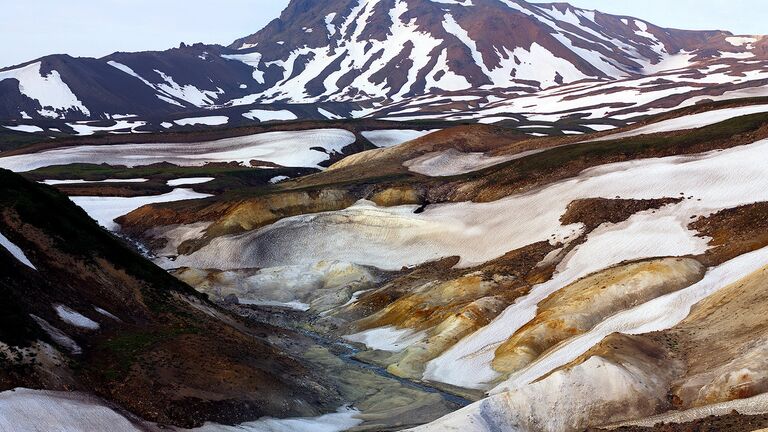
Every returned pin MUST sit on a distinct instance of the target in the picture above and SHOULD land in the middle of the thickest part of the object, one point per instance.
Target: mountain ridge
(367, 52)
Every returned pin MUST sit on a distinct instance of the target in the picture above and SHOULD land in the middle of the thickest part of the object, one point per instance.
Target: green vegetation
(166, 171)
(10, 140)
(126, 348)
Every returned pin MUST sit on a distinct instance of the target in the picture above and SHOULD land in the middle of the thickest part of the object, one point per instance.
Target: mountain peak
(366, 52)
(398, 48)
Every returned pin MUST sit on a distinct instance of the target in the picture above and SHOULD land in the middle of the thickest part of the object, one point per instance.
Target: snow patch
(269, 115)
(290, 149)
(345, 418)
(65, 182)
(25, 410)
(393, 137)
(387, 338)
(87, 129)
(278, 179)
(74, 318)
(691, 121)
(208, 120)
(106, 209)
(25, 128)
(50, 91)
(453, 162)
(190, 181)
(57, 336)
(15, 251)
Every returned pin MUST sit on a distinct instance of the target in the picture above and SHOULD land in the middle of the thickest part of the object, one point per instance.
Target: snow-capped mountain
(366, 52)
(398, 48)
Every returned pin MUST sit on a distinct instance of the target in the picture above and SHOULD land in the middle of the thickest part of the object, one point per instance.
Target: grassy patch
(127, 348)
(10, 140)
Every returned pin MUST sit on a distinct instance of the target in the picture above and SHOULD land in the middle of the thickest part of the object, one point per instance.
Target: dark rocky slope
(129, 332)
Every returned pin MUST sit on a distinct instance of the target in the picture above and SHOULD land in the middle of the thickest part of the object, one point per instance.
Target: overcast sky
(34, 28)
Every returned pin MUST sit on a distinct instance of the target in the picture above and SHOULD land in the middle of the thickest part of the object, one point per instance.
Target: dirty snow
(712, 177)
(658, 314)
(295, 305)
(754, 405)
(393, 237)
(57, 335)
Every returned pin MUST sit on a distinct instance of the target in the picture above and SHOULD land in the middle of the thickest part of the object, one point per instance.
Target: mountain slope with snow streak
(377, 57)
(398, 48)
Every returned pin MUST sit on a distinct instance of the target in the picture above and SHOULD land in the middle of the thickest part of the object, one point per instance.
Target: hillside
(390, 215)
(521, 268)
(486, 60)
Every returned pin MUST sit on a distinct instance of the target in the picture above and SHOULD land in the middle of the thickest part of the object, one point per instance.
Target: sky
(95, 28)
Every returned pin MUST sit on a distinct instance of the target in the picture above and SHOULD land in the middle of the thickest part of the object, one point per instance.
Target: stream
(348, 353)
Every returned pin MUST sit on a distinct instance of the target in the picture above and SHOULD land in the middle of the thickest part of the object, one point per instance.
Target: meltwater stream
(348, 353)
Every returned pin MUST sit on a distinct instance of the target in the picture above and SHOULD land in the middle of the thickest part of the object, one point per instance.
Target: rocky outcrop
(576, 308)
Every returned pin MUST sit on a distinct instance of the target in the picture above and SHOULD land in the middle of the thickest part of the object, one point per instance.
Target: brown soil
(593, 212)
(172, 357)
(734, 232)
(733, 422)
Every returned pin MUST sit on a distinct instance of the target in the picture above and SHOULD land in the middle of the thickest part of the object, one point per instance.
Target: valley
(386, 215)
